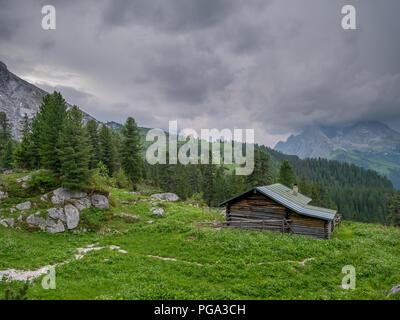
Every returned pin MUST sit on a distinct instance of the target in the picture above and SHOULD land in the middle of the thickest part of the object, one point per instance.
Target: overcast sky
(276, 66)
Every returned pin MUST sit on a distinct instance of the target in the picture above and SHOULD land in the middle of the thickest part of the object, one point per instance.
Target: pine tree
(262, 173)
(220, 186)
(73, 151)
(107, 151)
(92, 129)
(304, 187)
(394, 217)
(209, 183)
(48, 127)
(34, 147)
(23, 156)
(130, 152)
(117, 146)
(286, 175)
(7, 156)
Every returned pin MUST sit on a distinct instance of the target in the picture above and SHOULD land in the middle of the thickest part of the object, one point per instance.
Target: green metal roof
(289, 193)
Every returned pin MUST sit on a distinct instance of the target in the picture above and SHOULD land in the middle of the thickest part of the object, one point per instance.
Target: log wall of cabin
(259, 207)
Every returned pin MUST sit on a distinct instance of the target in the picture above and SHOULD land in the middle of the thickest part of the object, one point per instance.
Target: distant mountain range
(18, 97)
(372, 145)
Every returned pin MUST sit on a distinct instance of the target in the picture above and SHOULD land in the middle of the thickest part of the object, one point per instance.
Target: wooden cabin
(278, 208)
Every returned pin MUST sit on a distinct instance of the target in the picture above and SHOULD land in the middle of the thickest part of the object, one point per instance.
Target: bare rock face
(24, 206)
(72, 216)
(18, 97)
(100, 202)
(165, 197)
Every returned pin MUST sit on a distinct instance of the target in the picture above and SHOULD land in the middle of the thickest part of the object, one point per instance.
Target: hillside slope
(169, 259)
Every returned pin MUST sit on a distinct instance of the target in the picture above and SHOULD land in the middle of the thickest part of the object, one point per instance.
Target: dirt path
(29, 275)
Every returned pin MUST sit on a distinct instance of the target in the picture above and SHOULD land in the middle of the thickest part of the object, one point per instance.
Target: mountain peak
(18, 97)
(3, 67)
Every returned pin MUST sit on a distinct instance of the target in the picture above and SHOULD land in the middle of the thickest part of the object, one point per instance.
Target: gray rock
(72, 216)
(10, 222)
(12, 210)
(82, 204)
(54, 227)
(19, 218)
(62, 194)
(24, 206)
(7, 172)
(44, 197)
(165, 197)
(36, 221)
(394, 290)
(56, 213)
(24, 179)
(157, 211)
(3, 223)
(125, 215)
(100, 202)
(3, 195)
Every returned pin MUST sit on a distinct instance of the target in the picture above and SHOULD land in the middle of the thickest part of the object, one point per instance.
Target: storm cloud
(277, 66)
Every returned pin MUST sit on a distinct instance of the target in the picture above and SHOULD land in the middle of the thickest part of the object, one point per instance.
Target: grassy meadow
(169, 259)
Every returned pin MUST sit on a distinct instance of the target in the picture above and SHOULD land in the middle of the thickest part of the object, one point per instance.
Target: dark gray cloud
(276, 66)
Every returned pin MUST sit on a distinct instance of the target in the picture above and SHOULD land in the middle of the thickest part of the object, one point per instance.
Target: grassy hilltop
(168, 259)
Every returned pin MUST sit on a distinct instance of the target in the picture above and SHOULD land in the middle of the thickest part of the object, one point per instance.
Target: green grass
(234, 264)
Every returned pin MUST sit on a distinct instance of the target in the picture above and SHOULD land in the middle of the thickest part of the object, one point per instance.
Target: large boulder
(54, 227)
(36, 221)
(165, 197)
(56, 213)
(8, 222)
(61, 194)
(82, 204)
(72, 216)
(100, 202)
(24, 206)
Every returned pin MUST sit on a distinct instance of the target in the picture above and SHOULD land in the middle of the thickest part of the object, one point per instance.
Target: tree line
(58, 140)
(79, 153)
